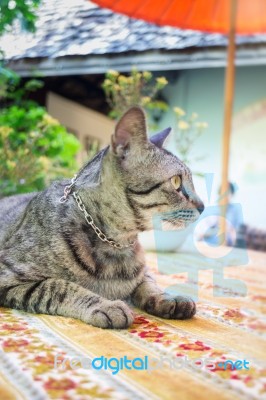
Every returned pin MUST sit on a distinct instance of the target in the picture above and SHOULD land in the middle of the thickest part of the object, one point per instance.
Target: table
(224, 328)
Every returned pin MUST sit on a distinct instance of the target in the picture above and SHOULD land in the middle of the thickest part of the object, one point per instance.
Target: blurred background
(70, 68)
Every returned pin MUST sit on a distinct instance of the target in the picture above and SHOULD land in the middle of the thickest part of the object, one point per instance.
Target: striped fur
(52, 262)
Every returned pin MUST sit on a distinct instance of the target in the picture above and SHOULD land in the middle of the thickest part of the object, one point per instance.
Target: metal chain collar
(88, 217)
(67, 189)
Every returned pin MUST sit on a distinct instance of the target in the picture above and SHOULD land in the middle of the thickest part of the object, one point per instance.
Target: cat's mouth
(168, 225)
(179, 219)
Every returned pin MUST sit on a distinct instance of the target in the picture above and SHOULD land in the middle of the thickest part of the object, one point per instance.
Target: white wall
(201, 91)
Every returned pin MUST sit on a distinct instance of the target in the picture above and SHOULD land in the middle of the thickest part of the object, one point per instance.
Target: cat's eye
(176, 181)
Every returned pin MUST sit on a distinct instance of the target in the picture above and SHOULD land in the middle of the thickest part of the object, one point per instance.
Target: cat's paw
(170, 307)
(112, 314)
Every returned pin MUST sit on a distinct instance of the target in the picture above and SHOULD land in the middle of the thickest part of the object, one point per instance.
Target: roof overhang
(150, 60)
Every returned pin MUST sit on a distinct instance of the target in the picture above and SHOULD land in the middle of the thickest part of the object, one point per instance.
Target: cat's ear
(159, 138)
(90, 174)
(130, 131)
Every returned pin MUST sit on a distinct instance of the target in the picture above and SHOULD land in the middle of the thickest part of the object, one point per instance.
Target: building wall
(201, 91)
(91, 128)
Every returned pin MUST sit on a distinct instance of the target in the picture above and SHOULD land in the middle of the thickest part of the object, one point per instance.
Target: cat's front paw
(170, 307)
(112, 314)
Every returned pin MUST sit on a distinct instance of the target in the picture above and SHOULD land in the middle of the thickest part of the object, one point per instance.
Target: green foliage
(139, 88)
(34, 147)
(187, 130)
(24, 11)
(8, 82)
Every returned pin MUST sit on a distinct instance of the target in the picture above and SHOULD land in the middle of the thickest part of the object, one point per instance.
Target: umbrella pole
(228, 111)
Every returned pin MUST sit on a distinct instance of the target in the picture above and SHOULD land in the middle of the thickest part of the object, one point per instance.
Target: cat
(72, 249)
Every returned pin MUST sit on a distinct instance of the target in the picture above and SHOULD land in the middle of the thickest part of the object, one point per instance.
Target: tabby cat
(72, 250)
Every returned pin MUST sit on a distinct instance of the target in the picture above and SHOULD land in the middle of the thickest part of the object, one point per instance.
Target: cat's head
(137, 173)
(156, 182)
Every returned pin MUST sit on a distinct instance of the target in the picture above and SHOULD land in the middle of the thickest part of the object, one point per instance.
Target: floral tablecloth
(226, 327)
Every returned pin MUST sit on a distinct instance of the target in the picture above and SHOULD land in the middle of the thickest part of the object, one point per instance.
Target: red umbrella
(221, 16)
(204, 15)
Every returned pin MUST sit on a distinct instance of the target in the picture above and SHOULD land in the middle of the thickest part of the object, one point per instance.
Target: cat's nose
(200, 207)
(197, 203)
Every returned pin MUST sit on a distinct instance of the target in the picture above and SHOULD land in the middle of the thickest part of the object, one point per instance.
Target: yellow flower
(107, 82)
(48, 120)
(194, 116)
(201, 125)
(183, 125)
(112, 72)
(122, 79)
(45, 162)
(5, 131)
(147, 75)
(10, 164)
(162, 81)
(179, 111)
(145, 100)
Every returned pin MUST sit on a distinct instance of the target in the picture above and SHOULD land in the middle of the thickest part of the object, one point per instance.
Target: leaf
(33, 85)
